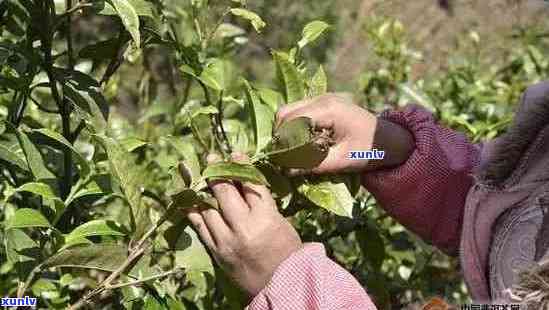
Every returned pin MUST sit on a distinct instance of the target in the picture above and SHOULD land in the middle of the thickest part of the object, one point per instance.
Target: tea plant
(91, 210)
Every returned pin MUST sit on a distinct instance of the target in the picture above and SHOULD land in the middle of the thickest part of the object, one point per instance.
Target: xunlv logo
(12, 302)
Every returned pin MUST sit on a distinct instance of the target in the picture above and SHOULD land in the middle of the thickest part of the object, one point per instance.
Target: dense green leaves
(34, 158)
(25, 218)
(234, 171)
(12, 158)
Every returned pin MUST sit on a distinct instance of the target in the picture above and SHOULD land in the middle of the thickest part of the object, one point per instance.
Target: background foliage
(100, 102)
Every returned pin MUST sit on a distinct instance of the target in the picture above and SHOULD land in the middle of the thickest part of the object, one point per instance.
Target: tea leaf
(262, 118)
(289, 78)
(334, 197)
(234, 171)
(294, 145)
(129, 18)
(34, 158)
(312, 32)
(40, 189)
(122, 165)
(193, 257)
(256, 21)
(12, 158)
(24, 218)
(103, 256)
(213, 75)
(319, 83)
(94, 228)
(84, 166)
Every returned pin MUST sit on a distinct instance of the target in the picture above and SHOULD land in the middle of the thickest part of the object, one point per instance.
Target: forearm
(309, 280)
(426, 193)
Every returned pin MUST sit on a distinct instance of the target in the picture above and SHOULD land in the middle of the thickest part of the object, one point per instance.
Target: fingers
(231, 203)
(257, 196)
(200, 227)
(316, 109)
(218, 228)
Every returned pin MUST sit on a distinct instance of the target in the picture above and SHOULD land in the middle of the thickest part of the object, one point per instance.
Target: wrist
(396, 141)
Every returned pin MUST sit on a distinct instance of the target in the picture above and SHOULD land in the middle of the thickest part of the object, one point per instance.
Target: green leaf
(129, 17)
(334, 197)
(40, 189)
(94, 228)
(193, 256)
(289, 78)
(271, 98)
(312, 32)
(184, 198)
(214, 74)
(25, 218)
(103, 256)
(12, 158)
(319, 83)
(234, 171)
(84, 166)
(262, 118)
(207, 110)
(21, 250)
(132, 144)
(123, 168)
(295, 146)
(86, 95)
(256, 21)
(34, 158)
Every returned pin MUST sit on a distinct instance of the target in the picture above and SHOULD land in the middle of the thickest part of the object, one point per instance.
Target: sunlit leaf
(256, 21)
(234, 171)
(334, 197)
(262, 118)
(94, 228)
(289, 78)
(319, 83)
(129, 17)
(312, 32)
(25, 218)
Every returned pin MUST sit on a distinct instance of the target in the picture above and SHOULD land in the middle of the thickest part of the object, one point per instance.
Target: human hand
(354, 129)
(248, 237)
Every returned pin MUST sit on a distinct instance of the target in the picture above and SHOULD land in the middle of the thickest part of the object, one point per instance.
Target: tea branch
(135, 253)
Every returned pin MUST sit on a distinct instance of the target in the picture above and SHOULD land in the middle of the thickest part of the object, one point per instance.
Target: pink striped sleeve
(309, 280)
(427, 193)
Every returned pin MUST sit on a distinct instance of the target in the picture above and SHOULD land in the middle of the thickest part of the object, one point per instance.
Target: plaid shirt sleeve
(309, 280)
(427, 193)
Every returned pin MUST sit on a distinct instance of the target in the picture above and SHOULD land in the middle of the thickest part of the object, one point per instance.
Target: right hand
(355, 129)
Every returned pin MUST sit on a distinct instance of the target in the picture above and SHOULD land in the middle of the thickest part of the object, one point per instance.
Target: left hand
(248, 237)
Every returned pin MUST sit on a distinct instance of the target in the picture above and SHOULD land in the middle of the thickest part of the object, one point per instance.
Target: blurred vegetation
(468, 65)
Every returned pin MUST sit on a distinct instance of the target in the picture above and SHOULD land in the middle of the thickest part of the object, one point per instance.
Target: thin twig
(138, 282)
(220, 123)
